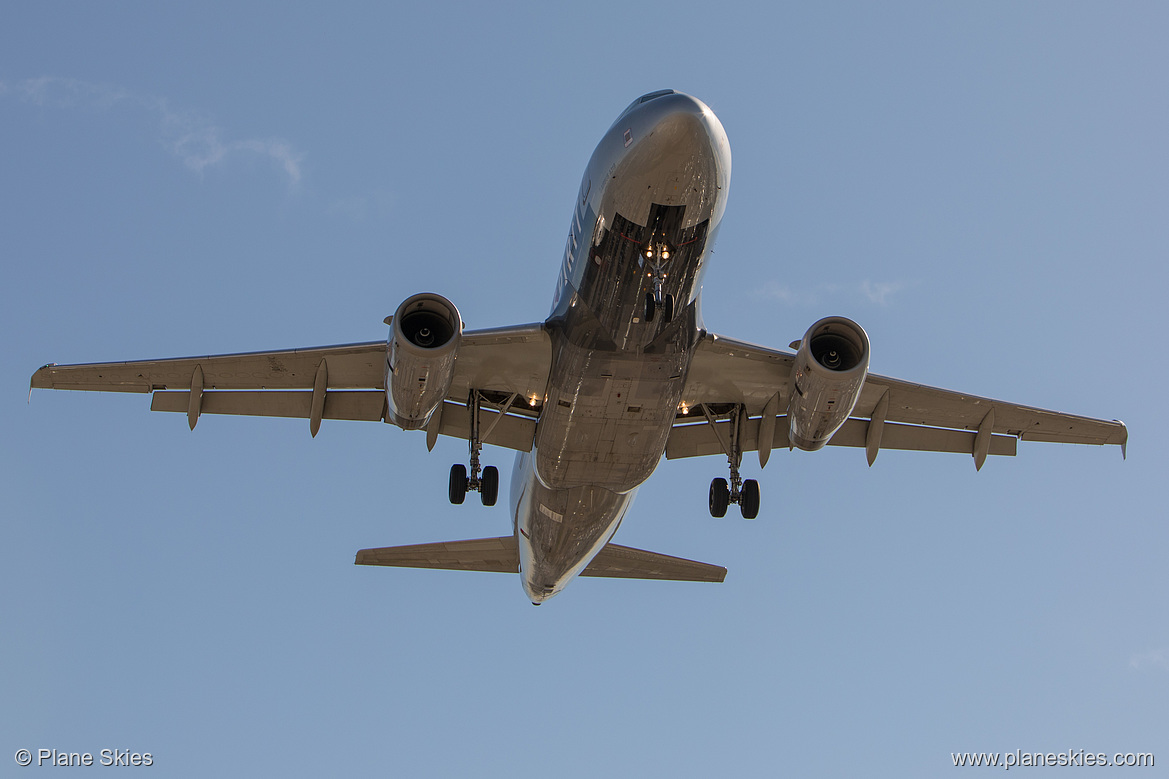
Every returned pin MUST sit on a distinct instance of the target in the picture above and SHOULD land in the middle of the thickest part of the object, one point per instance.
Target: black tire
(668, 309)
(489, 485)
(458, 483)
(720, 497)
(651, 306)
(749, 499)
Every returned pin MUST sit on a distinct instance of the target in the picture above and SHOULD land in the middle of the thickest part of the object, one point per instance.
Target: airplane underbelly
(607, 418)
(560, 530)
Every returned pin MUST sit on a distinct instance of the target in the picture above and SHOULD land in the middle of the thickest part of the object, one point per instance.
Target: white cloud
(879, 292)
(1153, 658)
(773, 290)
(200, 144)
(68, 92)
(195, 140)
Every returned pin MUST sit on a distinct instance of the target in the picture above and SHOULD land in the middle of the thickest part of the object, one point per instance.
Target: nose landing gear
(655, 255)
(654, 301)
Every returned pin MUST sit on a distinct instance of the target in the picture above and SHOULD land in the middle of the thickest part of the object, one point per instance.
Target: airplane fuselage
(620, 359)
(643, 224)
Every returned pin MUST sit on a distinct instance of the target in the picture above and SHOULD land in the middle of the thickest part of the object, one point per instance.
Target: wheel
(651, 306)
(489, 485)
(720, 496)
(668, 309)
(749, 499)
(458, 484)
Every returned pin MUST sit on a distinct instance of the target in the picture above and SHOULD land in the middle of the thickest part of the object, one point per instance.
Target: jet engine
(830, 368)
(420, 359)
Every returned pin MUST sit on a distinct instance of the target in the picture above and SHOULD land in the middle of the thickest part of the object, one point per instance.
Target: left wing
(890, 414)
(329, 382)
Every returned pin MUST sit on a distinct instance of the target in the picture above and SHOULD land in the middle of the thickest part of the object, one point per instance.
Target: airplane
(622, 371)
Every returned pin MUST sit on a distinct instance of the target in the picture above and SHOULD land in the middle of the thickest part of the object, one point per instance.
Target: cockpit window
(645, 99)
(654, 95)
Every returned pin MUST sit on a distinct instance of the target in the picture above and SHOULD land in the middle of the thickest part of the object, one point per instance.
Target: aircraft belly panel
(561, 530)
(607, 418)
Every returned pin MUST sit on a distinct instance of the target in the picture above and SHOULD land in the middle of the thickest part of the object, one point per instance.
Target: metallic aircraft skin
(659, 177)
(594, 396)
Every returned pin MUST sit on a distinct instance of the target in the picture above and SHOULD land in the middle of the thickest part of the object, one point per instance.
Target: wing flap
(360, 405)
(698, 440)
(510, 431)
(920, 438)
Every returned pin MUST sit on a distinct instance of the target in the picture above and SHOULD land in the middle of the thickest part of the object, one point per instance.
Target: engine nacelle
(420, 361)
(829, 371)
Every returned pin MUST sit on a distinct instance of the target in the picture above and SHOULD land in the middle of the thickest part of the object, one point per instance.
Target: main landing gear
(722, 494)
(487, 483)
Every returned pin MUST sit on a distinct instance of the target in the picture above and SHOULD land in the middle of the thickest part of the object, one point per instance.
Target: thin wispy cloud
(56, 92)
(194, 139)
(879, 293)
(1153, 658)
(773, 290)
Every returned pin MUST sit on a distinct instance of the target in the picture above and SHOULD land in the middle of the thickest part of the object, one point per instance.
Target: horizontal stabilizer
(497, 555)
(625, 562)
(500, 555)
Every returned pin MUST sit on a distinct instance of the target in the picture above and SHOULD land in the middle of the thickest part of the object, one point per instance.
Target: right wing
(905, 415)
(345, 381)
(500, 555)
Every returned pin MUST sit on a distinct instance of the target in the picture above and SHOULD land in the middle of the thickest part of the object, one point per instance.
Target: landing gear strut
(487, 484)
(745, 493)
(655, 255)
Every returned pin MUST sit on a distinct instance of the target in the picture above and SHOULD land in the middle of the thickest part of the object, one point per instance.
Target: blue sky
(983, 186)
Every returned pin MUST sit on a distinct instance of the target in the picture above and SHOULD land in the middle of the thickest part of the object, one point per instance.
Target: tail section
(501, 555)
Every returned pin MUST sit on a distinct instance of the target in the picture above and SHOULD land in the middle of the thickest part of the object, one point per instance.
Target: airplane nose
(538, 593)
(677, 102)
(671, 113)
(676, 128)
(670, 149)
(662, 103)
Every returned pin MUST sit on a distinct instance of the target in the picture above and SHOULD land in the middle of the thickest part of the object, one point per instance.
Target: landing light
(684, 408)
(532, 401)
